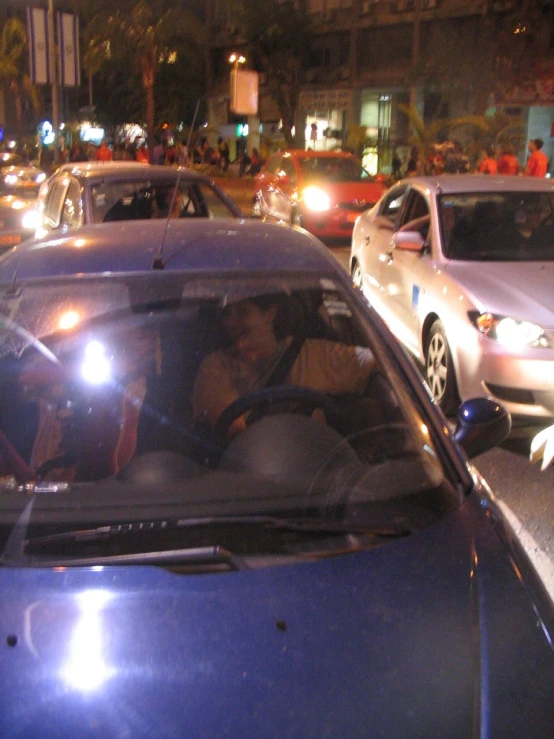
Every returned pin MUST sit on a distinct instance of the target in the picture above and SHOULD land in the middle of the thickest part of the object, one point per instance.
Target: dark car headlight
(509, 331)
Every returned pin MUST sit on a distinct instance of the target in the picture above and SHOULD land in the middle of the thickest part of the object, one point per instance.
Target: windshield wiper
(304, 525)
(197, 556)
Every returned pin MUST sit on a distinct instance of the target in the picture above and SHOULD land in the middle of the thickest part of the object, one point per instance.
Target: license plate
(10, 239)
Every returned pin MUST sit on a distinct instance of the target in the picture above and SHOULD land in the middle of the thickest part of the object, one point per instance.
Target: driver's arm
(214, 390)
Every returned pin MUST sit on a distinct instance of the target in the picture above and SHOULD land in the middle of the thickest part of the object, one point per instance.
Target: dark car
(98, 192)
(18, 176)
(230, 507)
(19, 219)
(322, 191)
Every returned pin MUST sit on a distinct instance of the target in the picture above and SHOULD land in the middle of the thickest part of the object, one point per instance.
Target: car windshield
(334, 169)
(168, 400)
(143, 199)
(498, 226)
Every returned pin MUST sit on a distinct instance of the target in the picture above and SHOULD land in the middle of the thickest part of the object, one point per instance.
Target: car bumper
(336, 223)
(522, 382)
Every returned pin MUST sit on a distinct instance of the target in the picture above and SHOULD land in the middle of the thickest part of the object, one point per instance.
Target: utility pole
(53, 70)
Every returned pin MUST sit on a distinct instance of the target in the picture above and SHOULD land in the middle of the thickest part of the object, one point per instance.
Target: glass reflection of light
(68, 320)
(86, 669)
(96, 365)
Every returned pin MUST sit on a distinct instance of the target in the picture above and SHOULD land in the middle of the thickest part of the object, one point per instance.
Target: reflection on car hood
(523, 290)
(346, 192)
(431, 636)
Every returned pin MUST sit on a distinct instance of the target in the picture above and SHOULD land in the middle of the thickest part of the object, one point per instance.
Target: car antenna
(158, 262)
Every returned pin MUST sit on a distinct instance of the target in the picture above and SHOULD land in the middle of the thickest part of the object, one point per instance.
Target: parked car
(327, 572)
(322, 191)
(98, 192)
(462, 270)
(19, 218)
(19, 177)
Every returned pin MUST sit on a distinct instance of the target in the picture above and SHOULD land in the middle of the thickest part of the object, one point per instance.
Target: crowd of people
(449, 158)
(165, 151)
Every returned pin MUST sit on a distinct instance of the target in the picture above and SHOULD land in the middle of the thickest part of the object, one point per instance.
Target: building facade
(373, 61)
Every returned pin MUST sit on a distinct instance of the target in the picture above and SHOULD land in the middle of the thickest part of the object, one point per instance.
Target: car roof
(199, 245)
(467, 183)
(128, 170)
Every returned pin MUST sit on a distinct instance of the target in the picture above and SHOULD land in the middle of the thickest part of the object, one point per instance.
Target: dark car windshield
(334, 169)
(498, 226)
(161, 398)
(143, 199)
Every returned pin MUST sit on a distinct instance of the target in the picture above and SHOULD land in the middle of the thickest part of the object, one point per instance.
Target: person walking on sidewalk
(537, 164)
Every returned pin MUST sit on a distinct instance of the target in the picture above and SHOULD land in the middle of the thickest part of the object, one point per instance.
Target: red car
(322, 191)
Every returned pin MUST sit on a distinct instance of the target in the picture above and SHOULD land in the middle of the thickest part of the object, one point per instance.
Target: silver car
(462, 270)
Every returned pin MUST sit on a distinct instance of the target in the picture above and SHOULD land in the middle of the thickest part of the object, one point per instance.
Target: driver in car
(255, 352)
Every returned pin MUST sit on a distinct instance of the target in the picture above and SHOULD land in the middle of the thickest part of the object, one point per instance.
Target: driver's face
(250, 330)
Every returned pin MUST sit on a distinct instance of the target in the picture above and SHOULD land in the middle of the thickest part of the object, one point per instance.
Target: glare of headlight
(68, 320)
(40, 178)
(517, 333)
(11, 179)
(16, 204)
(31, 219)
(95, 368)
(316, 199)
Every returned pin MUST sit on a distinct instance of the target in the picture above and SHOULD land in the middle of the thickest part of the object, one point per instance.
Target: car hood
(434, 635)
(523, 290)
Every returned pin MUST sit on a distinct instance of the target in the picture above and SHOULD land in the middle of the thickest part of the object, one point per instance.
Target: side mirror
(481, 424)
(408, 240)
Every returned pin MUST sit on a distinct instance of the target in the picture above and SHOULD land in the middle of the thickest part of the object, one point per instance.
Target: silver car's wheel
(357, 275)
(439, 370)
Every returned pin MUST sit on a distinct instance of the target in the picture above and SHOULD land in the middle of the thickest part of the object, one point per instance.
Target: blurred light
(31, 219)
(68, 320)
(40, 178)
(316, 199)
(95, 368)
(86, 668)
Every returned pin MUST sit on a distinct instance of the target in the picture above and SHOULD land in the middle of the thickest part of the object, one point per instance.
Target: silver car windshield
(498, 226)
(207, 397)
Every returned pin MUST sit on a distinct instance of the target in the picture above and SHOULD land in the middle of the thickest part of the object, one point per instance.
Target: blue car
(230, 507)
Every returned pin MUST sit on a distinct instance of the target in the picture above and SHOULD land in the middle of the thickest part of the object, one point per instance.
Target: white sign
(323, 100)
(244, 92)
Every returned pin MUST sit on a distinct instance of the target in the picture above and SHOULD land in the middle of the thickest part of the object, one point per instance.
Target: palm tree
(13, 54)
(146, 33)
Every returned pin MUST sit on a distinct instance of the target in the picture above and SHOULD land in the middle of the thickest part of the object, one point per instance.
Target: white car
(462, 270)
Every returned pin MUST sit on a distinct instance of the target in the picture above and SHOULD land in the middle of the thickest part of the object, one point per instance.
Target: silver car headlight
(31, 220)
(509, 331)
(316, 199)
(11, 179)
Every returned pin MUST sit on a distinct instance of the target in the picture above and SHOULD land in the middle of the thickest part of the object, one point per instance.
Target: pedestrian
(255, 162)
(158, 152)
(488, 164)
(396, 165)
(508, 163)
(537, 164)
(142, 154)
(78, 153)
(224, 154)
(46, 159)
(103, 153)
(183, 155)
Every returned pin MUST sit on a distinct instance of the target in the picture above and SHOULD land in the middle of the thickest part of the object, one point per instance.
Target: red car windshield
(335, 169)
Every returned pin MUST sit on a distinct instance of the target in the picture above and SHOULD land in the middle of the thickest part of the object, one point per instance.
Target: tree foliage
(134, 41)
(277, 34)
(13, 62)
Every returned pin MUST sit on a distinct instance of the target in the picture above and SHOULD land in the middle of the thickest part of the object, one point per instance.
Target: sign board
(323, 100)
(244, 92)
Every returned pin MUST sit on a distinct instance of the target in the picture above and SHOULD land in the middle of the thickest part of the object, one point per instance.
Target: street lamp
(237, 59)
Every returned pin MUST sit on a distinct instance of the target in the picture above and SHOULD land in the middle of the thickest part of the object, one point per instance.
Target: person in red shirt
(537, 164)
(488, 164)
(508, 162)
(103, 153)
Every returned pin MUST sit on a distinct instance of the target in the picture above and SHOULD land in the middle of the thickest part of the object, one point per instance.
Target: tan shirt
(322, 365)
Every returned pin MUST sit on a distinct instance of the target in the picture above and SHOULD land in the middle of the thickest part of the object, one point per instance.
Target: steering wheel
(297, 399)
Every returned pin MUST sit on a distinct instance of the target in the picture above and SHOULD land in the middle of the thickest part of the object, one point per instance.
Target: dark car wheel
(439, 370)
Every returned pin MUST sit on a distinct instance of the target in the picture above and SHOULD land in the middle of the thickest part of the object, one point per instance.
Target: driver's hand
(542, 447)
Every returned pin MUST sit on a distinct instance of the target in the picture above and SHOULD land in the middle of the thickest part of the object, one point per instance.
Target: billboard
(244, 92)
